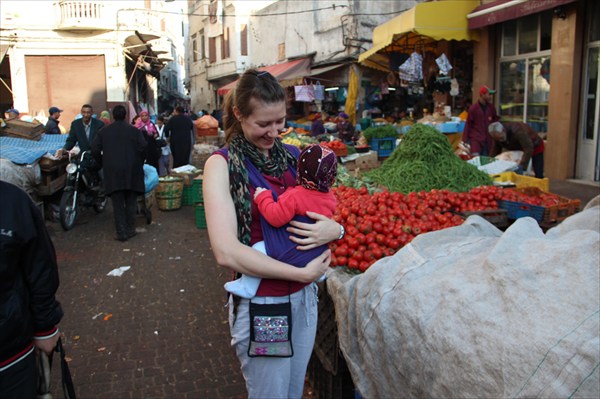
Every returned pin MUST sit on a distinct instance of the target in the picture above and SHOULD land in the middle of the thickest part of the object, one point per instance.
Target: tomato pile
(542, 199)
(380, 224)
(335, 145)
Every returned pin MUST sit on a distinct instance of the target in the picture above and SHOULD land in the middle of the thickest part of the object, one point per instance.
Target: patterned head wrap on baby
(317, 168)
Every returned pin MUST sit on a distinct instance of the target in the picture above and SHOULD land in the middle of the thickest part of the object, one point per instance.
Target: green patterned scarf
(241, 149)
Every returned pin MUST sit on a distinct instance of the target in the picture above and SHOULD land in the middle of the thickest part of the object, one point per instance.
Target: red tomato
(341, 251)
(353, 243)
(353, 263)
(363, 266)
(377, 253)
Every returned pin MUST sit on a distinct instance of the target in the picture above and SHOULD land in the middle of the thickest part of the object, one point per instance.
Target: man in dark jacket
(120, 148)
(479, 117)
(519, 136)
(29, 311)
(83, 130)
(52, 123)
(179, 130)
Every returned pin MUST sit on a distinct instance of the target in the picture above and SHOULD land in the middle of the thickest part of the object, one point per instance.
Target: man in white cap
(519, 136)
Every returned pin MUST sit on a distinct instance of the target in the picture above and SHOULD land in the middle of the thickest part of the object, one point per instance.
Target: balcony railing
(144, 21)
(83, 15)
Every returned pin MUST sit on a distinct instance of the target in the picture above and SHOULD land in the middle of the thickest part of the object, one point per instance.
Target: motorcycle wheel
(68, 210)
(100, 204)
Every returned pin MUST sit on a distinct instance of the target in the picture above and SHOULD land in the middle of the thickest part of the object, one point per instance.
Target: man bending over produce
(519, 136)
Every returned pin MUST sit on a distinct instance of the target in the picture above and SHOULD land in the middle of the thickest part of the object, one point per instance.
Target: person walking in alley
(120, 148)
(29, 281)
(164, 167)
(179, 130)
(479, 117)
(150, 133)
(52, 123)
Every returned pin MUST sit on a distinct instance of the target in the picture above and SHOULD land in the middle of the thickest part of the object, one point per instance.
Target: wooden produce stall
(26, 146)
(53, 176)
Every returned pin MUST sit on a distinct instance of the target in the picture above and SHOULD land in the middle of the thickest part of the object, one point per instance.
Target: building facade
(543, 58)
(68, 53)
(316, 40)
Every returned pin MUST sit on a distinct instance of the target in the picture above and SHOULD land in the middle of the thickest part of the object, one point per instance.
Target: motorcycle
(83, 188)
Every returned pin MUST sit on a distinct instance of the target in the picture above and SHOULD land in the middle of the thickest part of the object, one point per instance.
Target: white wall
(33, 25)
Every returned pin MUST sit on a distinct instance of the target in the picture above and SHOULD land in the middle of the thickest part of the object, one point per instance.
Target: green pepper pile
(424, 161)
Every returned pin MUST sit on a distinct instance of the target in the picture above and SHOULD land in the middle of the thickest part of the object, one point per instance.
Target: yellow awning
(422, 24)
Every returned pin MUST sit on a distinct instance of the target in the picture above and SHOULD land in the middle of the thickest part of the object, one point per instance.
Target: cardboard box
(367, 161)
(363, 162)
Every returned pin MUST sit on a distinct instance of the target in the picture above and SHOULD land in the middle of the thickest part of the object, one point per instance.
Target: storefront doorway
(588, 148)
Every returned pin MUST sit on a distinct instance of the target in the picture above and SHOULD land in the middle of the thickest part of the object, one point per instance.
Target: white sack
(27, 177)
(471, 312)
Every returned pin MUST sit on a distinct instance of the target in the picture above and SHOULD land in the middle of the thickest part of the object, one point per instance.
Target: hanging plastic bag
(443, 64)
(319, 91)
(454, 87)
(304, 93)
(412, 69)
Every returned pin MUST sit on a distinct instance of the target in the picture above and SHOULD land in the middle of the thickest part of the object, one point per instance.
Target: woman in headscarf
(105, 117)
(150, 134)
(346, 131)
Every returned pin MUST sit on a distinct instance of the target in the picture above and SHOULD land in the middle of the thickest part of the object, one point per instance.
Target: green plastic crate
(197, 190)
(187, 197)
(200, 216)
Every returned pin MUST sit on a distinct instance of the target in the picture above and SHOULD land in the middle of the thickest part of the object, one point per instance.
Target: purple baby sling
(277, 241)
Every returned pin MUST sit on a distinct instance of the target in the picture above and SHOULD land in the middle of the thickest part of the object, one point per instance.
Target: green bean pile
(424, 161)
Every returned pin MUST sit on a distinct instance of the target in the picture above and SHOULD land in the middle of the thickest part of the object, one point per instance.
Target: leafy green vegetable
(424, 161)
(380, 132)
(344, 178)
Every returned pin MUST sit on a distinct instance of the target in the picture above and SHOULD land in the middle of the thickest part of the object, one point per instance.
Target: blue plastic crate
(516, 210)
(384, 146)
(451, 127)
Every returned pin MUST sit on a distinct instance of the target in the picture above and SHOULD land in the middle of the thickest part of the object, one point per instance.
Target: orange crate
(341, 152)
(208, 131)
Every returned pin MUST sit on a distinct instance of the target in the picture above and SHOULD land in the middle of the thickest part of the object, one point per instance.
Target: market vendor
(11, 114)
(519, 136)
(479, 117)
(346, 131)
(317, 128)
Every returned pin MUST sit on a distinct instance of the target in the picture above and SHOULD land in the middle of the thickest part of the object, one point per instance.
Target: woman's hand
(321, 232)
(316, 267)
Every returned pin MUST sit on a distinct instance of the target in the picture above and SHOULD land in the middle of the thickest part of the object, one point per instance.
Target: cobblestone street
(158, 331)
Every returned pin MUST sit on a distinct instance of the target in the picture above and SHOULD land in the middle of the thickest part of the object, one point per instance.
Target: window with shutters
(212, 50)
(244, 40)
(202, 54)
(225, 44)
(194, 48)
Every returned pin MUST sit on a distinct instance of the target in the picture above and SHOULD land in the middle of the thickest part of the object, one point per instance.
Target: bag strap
(67, 380)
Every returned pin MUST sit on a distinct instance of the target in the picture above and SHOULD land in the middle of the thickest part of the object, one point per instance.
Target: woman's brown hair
(253, 84)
